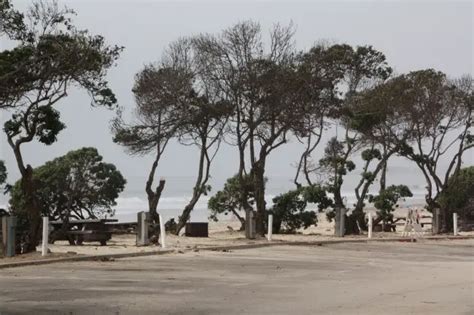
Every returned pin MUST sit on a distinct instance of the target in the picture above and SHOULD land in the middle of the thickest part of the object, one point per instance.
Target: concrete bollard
(343, 222)
(339, 225)
(455, 224)
(250, 231)
(435, 225)
(10, 223)
(270, 227)
(370, 224)
(142, 228)
(162, 232)
(44, 247)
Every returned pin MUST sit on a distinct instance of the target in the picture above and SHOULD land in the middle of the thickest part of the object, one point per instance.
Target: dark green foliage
(370, 154)
(53, 62)
(317, 194)
(3, 173)
(12, 22)
(228, 200)
(386, 201)
(76, 185)
(290, 209)
(289, 213)
(335, 164)
(45, 119)
(459, 195)
(171, 225)
(53, 56)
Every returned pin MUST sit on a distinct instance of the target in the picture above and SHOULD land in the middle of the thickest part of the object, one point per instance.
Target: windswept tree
(204, 123)
(377, 117)
(37, 74)
(173, 102)
(158, 94)
(203, 115)
(321, 71)
(362, 67)
(78, 185)
(420, 115)
(262, 87)
(439, 112)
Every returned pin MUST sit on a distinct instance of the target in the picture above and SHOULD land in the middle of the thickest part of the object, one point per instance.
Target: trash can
(197, 229)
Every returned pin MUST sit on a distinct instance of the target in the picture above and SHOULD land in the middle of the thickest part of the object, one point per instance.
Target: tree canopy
(51, 56)
(228, 200)
(387, 200)
(78, 185)
(423, 116)
(290, 210)
(459, 196)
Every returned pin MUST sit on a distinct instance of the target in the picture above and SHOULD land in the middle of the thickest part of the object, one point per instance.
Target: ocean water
(177, 194)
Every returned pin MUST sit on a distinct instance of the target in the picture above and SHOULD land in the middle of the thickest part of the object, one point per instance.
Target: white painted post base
(44, 247)
(162, 232)
(370, 224)
(455, 224)
(270, 227)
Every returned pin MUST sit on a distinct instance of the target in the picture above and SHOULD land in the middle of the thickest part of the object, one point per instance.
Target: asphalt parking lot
(427, 277)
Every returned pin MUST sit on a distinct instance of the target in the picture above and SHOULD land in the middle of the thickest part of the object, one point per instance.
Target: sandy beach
(221, 233)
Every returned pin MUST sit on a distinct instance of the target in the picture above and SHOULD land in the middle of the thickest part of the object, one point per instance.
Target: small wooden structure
(79, 231)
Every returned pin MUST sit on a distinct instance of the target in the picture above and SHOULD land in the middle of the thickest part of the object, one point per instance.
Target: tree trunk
(243, 186)
(153, 199)
(259, 182)
(185, 215)
(32, 209)
(241, 219)
(383, 176)
(357, 218)
(201, 181)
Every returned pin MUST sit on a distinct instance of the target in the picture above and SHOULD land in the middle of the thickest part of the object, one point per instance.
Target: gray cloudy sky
(413, 35)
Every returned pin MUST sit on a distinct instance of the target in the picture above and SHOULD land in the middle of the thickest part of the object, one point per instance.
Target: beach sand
(221, 233)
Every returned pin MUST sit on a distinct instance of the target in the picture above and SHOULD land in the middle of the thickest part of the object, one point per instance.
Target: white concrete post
(270, 227)
(455, 224)
(370, 224)
(162, 232)
(44, 247)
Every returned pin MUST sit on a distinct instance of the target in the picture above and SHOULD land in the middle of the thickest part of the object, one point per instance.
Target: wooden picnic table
(79, 231)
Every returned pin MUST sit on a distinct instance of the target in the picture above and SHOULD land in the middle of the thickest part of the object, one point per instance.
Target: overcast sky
(413, 35)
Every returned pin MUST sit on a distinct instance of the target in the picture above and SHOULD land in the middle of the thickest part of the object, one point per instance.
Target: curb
(327, 242)
(82, 258)
(219, 248)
